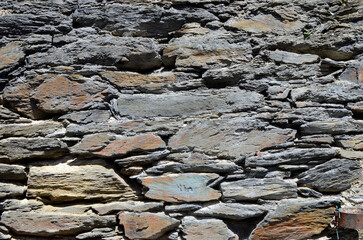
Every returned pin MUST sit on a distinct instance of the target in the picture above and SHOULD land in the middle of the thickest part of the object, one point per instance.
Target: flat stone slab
(343, 126)
(188, 187)
(12, 172)
(292, 58)
(11, 190)
(129, 206)
(11, 55)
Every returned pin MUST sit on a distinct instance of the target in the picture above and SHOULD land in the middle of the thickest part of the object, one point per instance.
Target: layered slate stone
(234, 137)
(12, 172)
(188, 187)
(296, 219)
(206, 51)
(146, 225)
(206, 229)
(128, 206)
(34, 129)
(10, 56)
(343, 126)
(77, 180)
(333, 176)
(353, 142)
(134, 54)
(18, 149)
(234, 211)
(50, 224)
(11, 190)
(109, 145)
(292, 58)
(295, 156)
(255, 188)
(186, 104)
(23, 205)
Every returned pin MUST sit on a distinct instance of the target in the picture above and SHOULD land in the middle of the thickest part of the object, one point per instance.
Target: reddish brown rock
(10, 56)
(146, 225)
(105, 145)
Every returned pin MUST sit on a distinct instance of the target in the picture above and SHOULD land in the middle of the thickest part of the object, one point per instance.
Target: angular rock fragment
(188, 187)
(146, 225)
(129, 206)
(50, 224)
(12, 172)
(342, 126)
(186, 104)
(17, 149)
(34, 129)
(206, 229)
(234, 137)
(292, 58)
(333, 176)
(109, 146)
(11, 190)
(255, 188)
(234, 211)
(77, 181)
(296, 219)
(10, 56)
(295, 156)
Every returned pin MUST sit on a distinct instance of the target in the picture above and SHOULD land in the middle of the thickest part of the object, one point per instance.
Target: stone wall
(179, 119)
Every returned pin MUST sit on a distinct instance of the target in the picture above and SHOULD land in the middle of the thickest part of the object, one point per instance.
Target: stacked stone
(179, 119)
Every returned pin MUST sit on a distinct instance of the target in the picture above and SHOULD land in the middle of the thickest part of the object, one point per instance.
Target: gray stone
(142, 159)
(10, 56)
(182, 208)
(253, 189)
(50, 224)
(11, 190)
(351, 142)
(333, 176)
(234, 211)
(343, 126)
(97, 233)
(130, 206)
(6, 114)
(12, 172)
(294, 156)
(206, 229)
(16, 149)
(20, 205)
(84, 117)
(35, 129)
(186, 104)
(293, 58)
(308, 192)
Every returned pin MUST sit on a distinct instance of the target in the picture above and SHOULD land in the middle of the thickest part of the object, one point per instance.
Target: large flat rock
(34, 129)
(334, 126)
(187, 187)
(77, 181)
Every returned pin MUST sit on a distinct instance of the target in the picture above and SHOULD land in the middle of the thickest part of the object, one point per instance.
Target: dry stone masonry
(179, 119)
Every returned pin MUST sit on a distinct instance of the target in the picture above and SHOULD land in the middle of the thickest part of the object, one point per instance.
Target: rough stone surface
(130, 206)
(146, 225)
(10, 56)
(12, 172)
(11, 190)
(333, 127)
(188, 187)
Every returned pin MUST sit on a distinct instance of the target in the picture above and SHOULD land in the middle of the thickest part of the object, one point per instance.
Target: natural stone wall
(179, 119)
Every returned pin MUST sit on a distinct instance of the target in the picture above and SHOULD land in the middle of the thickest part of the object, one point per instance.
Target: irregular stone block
(188, 187)
(353, 142)
(10, 56)
(12, 172)
(11, 190)
(48, 224)
(295, 156)
(187, 207)
(292, 58)
(16, 149)
(129, 206)
(333, 176)
(296, 219)
(353, 155)
(342, 126)
(109, 146)
(98, 233)
(85, 117)
(146, 225)
(34, 129)
(186, 104)
(206, 229)
(356, 108)
(234, 137)
(142, 159)
(24, 205)
(234, 211)
(77, 181)
(255, 188)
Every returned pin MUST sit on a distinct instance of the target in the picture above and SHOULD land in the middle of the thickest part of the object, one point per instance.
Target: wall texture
(179, 119)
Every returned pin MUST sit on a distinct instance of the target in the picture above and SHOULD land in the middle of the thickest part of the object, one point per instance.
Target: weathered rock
(135, 54)
(293, 58)
(98, 233)
(353, 155)
(296, 219)
(24, 205)
(265, 188)
(107, 145)
(235, 211)
(308, 192)
(91, 116)
(11, 190)
(17, 149)
(211, 50)
(234, 137)
(353, 142)
(353, 74)
(149, 105)
(142, 159)
(295, 156)
(187, 207)
(336, 92)
(7, 115)
(12, 172)
(146, 225)
(356, 107)
(48, 224)
(343, 126)
(188, 187)
(129, 206)
(10, 56)
(206, 229)
(77, 181)
(35, 129)
(333, 176)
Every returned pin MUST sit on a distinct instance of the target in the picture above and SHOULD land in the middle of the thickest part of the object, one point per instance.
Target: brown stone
(146, 225)
(11, 55)
(105, 145)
